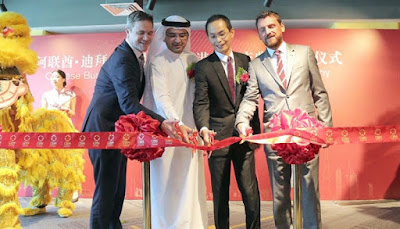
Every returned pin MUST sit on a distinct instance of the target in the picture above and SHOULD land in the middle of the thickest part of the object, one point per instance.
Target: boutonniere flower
(190, 70)
(242, 76)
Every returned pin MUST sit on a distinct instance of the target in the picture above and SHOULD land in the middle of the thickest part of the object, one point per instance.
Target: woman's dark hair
(62, 74)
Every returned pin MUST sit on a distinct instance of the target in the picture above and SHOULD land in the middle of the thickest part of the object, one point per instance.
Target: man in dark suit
(119, 88)
(287, 77)
(217, 97)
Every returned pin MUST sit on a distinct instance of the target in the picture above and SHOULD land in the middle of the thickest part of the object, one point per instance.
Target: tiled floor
(350, 214)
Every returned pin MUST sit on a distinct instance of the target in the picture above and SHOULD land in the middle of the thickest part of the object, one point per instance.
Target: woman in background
(60, 98)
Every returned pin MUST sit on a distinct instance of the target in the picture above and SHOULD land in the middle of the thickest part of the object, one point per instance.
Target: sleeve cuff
(201, 130)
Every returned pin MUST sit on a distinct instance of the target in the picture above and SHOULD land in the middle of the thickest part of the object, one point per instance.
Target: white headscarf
(158, 45)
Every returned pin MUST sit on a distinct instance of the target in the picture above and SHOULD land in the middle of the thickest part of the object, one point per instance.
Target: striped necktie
(280, 70)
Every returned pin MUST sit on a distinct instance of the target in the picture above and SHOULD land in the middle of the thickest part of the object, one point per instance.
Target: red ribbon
(127, 140)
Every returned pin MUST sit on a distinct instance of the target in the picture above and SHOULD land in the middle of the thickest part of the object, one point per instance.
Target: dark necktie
(231, 79)
(279, 69)
(141, 64)
(142, 78)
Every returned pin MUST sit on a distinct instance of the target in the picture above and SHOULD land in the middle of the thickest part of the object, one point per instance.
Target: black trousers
(109, 168)
(244, 166)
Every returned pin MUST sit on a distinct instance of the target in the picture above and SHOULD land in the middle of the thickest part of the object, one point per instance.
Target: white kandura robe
(177, 183)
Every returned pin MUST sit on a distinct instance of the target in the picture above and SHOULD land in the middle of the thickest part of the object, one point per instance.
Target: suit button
(287, 96)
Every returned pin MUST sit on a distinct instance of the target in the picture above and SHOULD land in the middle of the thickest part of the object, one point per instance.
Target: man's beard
(274, 44)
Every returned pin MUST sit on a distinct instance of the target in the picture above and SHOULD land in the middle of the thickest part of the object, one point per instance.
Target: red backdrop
(358, 68)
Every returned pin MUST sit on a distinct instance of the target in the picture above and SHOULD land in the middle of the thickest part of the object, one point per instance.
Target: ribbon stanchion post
(146, 195)
(297, 212)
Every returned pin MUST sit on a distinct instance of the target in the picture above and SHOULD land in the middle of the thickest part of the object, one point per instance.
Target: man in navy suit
(119, 88)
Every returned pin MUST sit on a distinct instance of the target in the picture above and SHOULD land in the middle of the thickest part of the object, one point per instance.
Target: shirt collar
(61, 91)
(224, 57)
(282, 48)
(137, 52)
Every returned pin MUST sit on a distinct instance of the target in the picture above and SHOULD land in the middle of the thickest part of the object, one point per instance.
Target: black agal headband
(175, 23)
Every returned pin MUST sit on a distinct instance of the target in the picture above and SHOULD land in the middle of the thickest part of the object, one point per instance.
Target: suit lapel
(140, 79)
(219, 69)
(238, 63)
(267, 62)
(290, 61)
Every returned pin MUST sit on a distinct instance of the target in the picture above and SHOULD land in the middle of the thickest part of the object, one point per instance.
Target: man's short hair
(217, 17)
(137, 16)
(268, 13)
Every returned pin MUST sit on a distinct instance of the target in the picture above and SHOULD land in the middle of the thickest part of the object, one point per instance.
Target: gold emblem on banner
(82, 141)
(393, 134)
(378, 134)
(168, 142)
(96, 141)
(40, 141)
(345, 136)
(27, 138)
(314, 134)
(363, 135)
(110, 142)
(329, 136)
(11, 143)
(53, 141)
(125, 140)
(154, 140)
(67, 141)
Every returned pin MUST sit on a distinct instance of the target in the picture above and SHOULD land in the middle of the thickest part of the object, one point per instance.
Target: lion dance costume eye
(43, 169)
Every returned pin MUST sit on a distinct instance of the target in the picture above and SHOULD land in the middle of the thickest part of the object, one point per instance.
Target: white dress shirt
(274, 59)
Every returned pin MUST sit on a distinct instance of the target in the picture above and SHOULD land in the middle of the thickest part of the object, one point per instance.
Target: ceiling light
(122, 9)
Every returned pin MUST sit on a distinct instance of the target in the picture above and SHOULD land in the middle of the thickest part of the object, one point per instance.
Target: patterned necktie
(279, 69)
(231, 79)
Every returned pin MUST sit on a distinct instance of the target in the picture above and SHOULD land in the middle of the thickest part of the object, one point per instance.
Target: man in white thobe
(177, 183)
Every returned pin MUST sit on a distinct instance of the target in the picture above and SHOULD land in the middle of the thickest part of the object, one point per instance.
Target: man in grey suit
(287, 77)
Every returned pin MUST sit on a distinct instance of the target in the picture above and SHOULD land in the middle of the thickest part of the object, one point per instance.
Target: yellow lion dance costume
(43, 169)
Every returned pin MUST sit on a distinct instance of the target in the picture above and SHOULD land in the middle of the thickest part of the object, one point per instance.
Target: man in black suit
(119, 88)
(217, 98)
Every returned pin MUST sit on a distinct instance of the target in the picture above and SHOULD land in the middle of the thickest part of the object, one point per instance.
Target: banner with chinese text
(359, 68)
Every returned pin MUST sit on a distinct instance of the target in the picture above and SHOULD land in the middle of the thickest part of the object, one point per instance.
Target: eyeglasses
(175, 35)
(221, 35)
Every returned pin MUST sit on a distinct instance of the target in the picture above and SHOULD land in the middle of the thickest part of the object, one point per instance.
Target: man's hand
(169, 128)
(185, 132)
(243, 129)
(207, 136)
